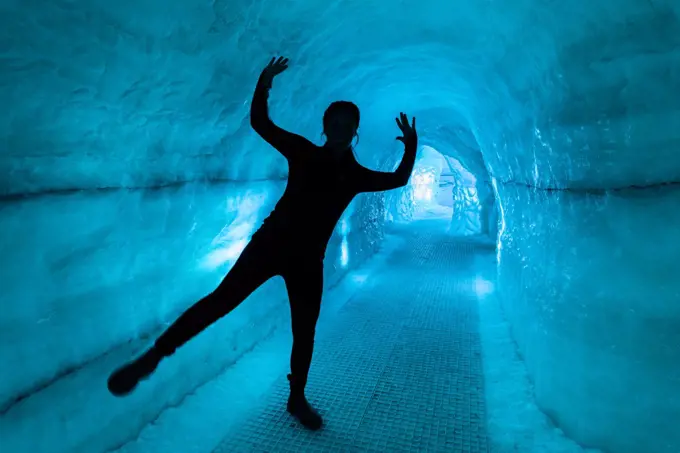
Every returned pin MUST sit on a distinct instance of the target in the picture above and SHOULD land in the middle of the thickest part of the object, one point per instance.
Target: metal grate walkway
(397, 369)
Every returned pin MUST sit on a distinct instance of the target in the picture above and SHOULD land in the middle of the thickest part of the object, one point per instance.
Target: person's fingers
(401, 139)
(285, 61)
(272, 61)
(398, 123)
(413, 124)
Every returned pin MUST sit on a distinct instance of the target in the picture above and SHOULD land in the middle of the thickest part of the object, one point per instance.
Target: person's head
(340, 124)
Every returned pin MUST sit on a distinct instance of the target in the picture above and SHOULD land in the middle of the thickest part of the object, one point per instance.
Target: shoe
(125, 379)
(299, 407)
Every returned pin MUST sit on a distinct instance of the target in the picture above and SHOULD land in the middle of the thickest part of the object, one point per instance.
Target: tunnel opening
(441, 187)
(423, 197)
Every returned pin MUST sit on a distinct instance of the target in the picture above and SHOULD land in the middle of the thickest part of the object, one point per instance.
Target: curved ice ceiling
(122, 94)
(555, 95)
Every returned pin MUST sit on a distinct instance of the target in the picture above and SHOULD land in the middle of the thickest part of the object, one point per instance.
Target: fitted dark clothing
(319, 190)
(292, 241)
(320, 185)
(263, 258)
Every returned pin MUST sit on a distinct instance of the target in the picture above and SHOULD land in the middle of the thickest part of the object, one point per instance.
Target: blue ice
(131, 181)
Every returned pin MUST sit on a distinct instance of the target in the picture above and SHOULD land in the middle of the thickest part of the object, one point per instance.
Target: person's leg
(304, 282)
(254, 267)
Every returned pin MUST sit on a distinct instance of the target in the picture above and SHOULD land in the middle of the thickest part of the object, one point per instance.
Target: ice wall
(586, 177)
(129, 187)
(91, 277)
(591, 293)
(546, 100)
(466, 203)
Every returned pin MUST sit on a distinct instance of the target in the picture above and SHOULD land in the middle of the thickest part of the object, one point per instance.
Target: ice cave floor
(413, 355)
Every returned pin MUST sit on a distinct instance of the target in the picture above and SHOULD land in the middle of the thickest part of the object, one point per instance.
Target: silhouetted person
(292, 241)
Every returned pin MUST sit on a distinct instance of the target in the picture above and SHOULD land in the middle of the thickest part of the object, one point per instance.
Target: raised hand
(275, 67)
(409, 130)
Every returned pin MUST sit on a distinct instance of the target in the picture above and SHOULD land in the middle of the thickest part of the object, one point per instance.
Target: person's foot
(125, 379)
(299, 407)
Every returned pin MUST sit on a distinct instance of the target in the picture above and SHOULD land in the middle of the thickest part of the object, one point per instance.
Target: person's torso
(319, 190)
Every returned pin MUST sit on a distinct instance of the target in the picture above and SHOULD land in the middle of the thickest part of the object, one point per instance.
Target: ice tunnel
(130, 181)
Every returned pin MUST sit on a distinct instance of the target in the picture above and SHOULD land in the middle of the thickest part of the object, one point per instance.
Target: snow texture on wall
(89, 277)
(556, 104)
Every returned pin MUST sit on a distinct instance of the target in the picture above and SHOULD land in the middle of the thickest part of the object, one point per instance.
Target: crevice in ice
(592, 190)
(155, 187)
(66, 192)
(62, 374)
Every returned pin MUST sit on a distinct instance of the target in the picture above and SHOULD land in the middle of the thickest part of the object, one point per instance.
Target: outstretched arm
(377, 181)
(287, 143)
